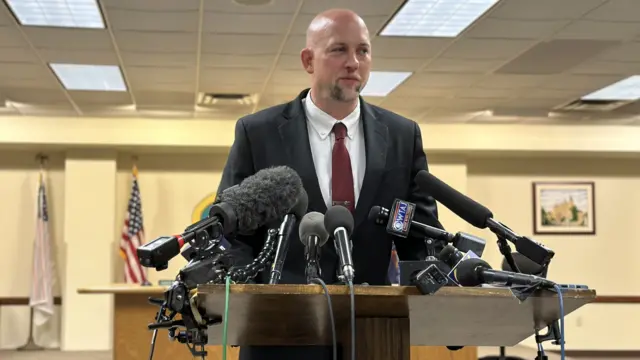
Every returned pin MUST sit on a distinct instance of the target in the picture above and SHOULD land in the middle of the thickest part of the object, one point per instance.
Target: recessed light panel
(381, 83)
(90, 77)
(627, 89)
(436, 18)
(58, 13)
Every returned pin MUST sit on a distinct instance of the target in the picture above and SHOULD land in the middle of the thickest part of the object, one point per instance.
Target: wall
(606, 261)
(88, 191)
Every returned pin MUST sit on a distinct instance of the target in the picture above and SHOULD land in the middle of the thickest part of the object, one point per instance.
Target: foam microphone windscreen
(264, 197)
(461, 205)
(524, 264)
(467, 275)
(312, 224)
(301, 206)
(338, 216)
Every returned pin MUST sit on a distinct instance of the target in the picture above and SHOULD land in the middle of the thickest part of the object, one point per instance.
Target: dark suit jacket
(394, 155)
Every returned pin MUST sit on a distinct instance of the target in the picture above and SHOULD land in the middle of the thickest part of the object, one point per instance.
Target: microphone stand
(505, 250)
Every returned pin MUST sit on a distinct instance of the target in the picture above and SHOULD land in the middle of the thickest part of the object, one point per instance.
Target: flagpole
(31, 344)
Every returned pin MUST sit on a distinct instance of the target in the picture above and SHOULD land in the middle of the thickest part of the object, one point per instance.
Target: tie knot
(340, 130)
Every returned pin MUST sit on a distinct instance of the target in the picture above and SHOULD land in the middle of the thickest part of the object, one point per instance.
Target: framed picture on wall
(564, 208)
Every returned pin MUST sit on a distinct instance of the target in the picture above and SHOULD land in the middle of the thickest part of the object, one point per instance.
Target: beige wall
(171, 185)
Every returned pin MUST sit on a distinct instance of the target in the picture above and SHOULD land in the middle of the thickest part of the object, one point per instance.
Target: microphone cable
(225, 319)
(561, 305)
(353, 320)
(331, 318)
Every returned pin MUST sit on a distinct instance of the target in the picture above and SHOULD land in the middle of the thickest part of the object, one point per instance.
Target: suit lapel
(375, 138)
(295, 138)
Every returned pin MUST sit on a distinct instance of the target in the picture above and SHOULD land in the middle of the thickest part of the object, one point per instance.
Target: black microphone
(474, 272)
(480, 217)
(284, 234)
(338, 222)
(260, 199)
(313, 236)
(452, 257)
(401, 224)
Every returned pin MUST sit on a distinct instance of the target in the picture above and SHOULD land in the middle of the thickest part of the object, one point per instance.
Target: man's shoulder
(391, 118)
(267, 116)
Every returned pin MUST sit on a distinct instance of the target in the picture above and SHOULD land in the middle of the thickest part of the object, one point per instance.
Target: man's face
(342, 60)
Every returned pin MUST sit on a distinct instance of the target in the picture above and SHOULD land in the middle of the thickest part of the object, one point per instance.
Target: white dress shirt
(321, 139)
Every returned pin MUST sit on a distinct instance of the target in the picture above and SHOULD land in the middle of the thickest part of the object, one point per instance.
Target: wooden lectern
(389, 319)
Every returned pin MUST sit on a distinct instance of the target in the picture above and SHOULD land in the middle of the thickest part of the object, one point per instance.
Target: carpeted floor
(523, 352)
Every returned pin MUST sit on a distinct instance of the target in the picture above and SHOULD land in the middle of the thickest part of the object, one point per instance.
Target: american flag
(41, 299)
(394, 267)
(133, 236)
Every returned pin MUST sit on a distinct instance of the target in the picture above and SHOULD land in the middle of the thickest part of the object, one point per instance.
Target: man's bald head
(329, 19)
(337, 56)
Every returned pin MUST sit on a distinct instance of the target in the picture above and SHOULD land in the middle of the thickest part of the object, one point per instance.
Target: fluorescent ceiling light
(90, 77)
(58, 13)
(436, 18)
(627, 89)
(381, 83)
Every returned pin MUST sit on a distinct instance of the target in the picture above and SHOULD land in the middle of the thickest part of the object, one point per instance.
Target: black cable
(333, 322)
(353, 321)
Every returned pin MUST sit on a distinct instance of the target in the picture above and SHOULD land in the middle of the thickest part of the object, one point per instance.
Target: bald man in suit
(346, 151)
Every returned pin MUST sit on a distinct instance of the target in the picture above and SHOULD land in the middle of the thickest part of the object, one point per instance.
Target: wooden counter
(132, 340)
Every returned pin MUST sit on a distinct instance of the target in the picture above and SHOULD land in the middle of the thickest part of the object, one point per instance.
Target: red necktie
(342, 177)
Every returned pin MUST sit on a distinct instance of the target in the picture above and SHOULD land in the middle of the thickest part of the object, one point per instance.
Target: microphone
(474, 272)
(339, 222)
(480, 217)
(401, 224)
(452, 257)
(260, 199)
(524, 265)
(284, 234)
(313, 236)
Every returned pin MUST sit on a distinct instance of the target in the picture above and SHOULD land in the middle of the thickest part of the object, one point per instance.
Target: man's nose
(352, 61)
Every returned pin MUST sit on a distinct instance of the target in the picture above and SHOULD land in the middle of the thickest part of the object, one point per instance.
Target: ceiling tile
(543, 9)
(361, 7)
(240, 44)
(452, 65)
(161, 98)
(618, 10)
(230, 7)
(396, 64)
(257, 24)
(10, 37)
(100, 98)
(595, 67)
(23, 71)
(162, 59)
(155, 5)
(142, 41)
(423, 48)
(79, 56)
(18, 55)
(487, 49)
(36, 96)
(237, 61)
(145, 20)
(599, 30)
(624, 52)
(517, 29)
(68, 39)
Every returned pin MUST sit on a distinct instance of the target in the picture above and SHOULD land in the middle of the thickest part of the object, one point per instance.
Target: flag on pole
(133, 236)
(394, 266)
(41, 299)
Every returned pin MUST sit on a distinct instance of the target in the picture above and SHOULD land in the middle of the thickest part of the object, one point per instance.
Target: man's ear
(306, 56)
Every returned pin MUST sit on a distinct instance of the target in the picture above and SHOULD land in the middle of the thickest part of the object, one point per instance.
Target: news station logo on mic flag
(133, 236)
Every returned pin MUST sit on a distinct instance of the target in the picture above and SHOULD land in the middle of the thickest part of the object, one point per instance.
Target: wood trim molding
(23, 301)
(617, 299)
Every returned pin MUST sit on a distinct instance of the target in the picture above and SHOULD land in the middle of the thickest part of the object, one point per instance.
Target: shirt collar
(323, 122)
